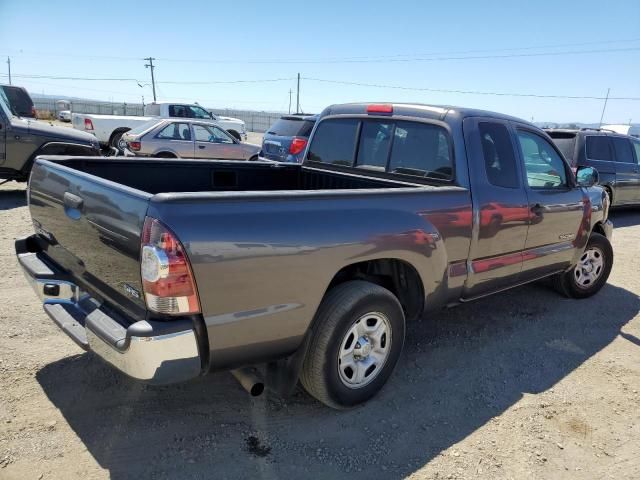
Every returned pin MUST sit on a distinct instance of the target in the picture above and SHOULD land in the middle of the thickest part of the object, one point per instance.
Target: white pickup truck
(108, 129)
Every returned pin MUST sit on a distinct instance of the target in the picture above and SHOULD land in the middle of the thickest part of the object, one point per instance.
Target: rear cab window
(407, 148)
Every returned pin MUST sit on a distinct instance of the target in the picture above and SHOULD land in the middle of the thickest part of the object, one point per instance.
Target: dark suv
(615, 156)
(23, 139)
(286, 139)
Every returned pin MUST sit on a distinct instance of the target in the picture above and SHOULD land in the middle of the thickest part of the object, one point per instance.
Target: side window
(622, 148)
(334, 142)
(499, 159)
(375, 140)
(636, 147)
(175, 131)
(598, 148)
(421, 150)
(202, 133)
(544, 167)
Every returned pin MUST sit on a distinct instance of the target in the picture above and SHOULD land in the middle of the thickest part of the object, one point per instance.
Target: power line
(171, 82)
(370, 59)
(468, 92)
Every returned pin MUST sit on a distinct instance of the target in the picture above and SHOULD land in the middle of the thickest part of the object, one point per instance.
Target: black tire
(165, 155)
(115, 139)
(254, 158)
(235, 134)
(342, 306)
(567, 283)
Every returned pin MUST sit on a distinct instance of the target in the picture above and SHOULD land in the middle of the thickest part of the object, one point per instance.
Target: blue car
(286, 139)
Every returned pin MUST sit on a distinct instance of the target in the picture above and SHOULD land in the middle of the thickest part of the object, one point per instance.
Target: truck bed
(155, 176)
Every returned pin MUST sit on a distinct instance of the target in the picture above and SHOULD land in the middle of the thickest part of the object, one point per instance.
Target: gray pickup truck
(169, 269)
(22, 139)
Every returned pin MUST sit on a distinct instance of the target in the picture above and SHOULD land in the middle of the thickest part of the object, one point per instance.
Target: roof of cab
(436, 112)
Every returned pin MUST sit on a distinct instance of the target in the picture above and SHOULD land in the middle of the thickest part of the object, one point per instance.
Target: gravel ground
(522, 385)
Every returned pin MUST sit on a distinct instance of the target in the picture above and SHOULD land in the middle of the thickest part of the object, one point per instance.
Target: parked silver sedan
(184, 138)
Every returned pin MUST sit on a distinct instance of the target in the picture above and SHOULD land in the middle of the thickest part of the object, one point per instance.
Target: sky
(382, 51)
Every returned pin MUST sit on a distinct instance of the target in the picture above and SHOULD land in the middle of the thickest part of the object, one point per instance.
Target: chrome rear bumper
(151, 351)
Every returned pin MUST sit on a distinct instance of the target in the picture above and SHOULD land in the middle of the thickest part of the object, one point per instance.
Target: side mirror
(587, 177)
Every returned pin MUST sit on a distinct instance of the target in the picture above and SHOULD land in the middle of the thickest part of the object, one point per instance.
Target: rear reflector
(135, 146)
(88, 124)
(297, 145)
(167, 280)
(387, 109)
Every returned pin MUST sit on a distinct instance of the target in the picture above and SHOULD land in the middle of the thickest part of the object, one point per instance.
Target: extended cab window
(499, 159)
(375, 140)
(421, 150)
(335, 142)
(598, 148)
(624, 152)
(544, 167)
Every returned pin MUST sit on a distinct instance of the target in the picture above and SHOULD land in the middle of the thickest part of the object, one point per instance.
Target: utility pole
(298, 96)
(153, 80)
(290, 92)
(604, 107)
(9, 65)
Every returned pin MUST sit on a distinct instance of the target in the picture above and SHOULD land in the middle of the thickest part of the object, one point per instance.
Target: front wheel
(591, 272)
(358, 337)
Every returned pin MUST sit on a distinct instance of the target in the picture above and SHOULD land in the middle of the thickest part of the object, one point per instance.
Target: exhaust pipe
(249, 381)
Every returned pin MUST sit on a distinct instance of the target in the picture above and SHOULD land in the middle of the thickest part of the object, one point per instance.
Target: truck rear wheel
(358, 337)
(591, 272)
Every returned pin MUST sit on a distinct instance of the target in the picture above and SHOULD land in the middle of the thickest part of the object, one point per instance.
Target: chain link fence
(47, 108)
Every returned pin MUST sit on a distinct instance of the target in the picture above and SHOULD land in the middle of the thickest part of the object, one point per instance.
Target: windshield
(144, 127)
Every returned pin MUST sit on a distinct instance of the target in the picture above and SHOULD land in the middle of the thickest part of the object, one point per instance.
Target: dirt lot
(523, 385)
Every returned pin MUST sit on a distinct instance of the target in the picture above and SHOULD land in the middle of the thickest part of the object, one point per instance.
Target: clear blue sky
(224, 41)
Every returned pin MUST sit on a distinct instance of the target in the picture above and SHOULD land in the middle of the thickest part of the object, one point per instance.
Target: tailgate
(91, 227)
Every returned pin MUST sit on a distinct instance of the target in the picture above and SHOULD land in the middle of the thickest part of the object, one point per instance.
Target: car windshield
(144, 127)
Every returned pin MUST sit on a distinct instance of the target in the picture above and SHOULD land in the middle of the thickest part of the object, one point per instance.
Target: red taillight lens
(135, 146)
(386, 109)
(167, 280)
(297, 145)
(88, 124)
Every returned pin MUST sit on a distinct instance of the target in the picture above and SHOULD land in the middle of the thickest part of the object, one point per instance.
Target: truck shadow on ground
(10, 199)
(460, 368)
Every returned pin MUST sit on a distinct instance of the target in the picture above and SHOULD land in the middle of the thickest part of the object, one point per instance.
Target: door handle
(72, 201)
(537, 209)
(201, 147)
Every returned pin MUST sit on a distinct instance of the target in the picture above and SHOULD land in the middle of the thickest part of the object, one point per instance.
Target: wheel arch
(117, 131)
(396, 275)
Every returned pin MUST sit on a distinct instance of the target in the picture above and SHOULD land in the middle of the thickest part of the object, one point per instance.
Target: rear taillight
(167, 279)
(297, 145)
(88, 124)
(135, 146)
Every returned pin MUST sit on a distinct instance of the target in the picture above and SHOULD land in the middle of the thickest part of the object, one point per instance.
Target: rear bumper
(151, 351)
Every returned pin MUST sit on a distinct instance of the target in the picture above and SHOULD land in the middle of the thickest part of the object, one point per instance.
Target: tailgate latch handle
(72, 205)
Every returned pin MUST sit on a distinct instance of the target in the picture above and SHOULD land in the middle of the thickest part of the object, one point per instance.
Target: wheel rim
(364, 350)
(589, 268)
(121, 144)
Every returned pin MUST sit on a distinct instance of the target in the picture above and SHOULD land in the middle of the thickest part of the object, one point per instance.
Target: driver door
(213, 142)
(556, 206)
